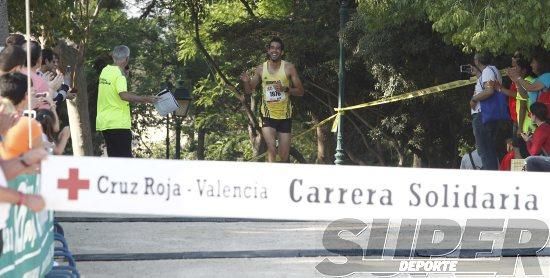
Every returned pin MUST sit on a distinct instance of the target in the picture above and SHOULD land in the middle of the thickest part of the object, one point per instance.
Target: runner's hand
(245, 77)
(279, 87)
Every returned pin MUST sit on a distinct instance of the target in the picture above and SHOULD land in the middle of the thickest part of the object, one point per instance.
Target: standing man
(484, 133)
(279, 81)
(113, 107)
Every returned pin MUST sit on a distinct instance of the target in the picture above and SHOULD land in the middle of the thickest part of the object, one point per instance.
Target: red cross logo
(73, 184)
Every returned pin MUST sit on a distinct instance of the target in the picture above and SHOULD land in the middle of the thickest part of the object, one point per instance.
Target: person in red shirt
(506, 162)
(539, 143)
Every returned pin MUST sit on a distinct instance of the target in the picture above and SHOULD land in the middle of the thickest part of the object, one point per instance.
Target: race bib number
(272, 95)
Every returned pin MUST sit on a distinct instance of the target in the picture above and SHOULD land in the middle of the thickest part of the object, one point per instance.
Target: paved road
(140, 246)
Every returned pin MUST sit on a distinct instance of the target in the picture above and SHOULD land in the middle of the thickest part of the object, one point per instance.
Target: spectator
(40, 85)
(484, 133)
(13, 86)
(540, 63)
(113, 108)
(50, 127)
(12, 59)
(50, 69)
(15, 39)
(522, 67)
(26, 163)
(539, 143)
(506, 162)
(471, 161)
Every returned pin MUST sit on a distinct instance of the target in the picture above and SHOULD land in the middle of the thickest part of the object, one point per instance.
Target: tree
(4, 23)
(498, 27)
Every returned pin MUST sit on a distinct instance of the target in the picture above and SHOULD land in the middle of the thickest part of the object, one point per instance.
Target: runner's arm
(250, 84)
(297, 88)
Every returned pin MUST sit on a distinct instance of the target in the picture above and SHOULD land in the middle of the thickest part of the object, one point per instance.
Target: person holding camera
(50, 70)
(113, 105)
(538, 144)
(484, 130)
(279, 81)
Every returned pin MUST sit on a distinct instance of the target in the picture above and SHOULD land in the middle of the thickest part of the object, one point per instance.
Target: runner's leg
(284, 146)
(269, 134)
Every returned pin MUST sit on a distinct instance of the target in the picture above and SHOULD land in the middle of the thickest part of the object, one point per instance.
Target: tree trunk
(380, 151)
(297, 155)
(356, 159)
(79, 117)
(200, 144)
(4, 24)
(257, 140)
(417, 161)
(325, 143)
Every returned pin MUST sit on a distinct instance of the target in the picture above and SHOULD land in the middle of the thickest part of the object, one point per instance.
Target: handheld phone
(29, 113)
(466, 69)
(67, 78)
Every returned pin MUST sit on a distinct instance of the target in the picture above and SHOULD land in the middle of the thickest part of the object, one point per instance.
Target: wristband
(22, 160)
(21, 198)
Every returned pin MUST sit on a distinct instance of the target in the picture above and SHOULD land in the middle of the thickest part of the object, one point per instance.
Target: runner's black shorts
(280, 125)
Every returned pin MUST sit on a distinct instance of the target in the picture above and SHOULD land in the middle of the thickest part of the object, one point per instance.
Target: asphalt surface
(142, 246)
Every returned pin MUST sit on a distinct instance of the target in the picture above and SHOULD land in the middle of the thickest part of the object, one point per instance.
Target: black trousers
(119, 142)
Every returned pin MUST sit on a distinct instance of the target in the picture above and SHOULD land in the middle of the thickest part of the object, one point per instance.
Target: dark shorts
(118, 142)
(280, 125)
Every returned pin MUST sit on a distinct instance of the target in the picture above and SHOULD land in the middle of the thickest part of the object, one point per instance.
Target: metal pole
(178, 134)
(168, 136)
(339, 156)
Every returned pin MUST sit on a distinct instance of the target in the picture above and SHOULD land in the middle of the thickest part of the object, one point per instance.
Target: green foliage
(274, 8)
(495, 26)
(392, 47)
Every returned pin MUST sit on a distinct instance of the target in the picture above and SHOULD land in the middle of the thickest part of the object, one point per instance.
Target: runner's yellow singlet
(275, 105)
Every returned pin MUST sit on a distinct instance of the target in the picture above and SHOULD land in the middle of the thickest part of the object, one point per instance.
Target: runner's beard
(274, 58)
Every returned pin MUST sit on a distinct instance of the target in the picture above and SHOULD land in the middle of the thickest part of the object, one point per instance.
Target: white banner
(288, 191)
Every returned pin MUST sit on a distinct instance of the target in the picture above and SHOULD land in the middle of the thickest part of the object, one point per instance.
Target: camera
(67, 77)
(29, 113)
(466, 69)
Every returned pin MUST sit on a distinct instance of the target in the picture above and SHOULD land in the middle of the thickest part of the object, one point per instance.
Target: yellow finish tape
(410, 95)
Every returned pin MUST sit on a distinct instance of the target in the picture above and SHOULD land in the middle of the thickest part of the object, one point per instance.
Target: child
(50, 126)
(506, 163)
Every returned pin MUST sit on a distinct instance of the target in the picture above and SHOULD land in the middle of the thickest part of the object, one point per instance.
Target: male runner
(279, 81)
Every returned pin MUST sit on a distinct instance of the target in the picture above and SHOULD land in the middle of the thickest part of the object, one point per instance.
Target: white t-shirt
(466, 162)
(4, 207)
(487, 75)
